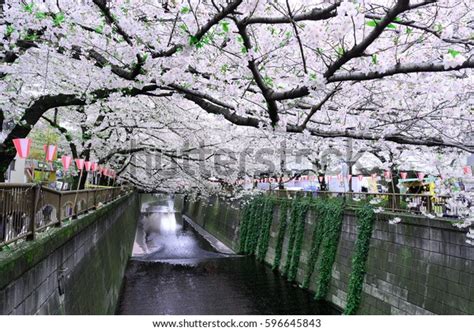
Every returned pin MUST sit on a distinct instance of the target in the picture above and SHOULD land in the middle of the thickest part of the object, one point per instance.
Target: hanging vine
(265, 225)
(292, 234)
(332, 230)
(321, 216)
(302, 208)
(281, 232)
(244, 226)
(365, 220)
(255, 224)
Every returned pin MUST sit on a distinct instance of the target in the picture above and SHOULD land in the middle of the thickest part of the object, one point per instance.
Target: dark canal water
(174, 271)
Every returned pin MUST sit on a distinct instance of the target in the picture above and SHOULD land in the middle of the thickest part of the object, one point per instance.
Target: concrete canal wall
(75, 269)
(418, 266)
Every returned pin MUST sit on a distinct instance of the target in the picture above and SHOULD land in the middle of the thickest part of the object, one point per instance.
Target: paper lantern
(66, 161)
(79, 163)
(387, 174)
(22, 146)
(360, 177)
(339, 177)
(421, 175)
(94, 166)
(374, 176)
(50, 152)
(349, 177)
(87, 165)
(467, 170)
(403, 175)
(321, 178)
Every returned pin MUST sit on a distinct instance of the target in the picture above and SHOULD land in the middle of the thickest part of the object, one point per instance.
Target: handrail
(426, 204)
(26, 209)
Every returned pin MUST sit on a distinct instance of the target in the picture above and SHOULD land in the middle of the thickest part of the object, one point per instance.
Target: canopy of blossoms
(178, 94)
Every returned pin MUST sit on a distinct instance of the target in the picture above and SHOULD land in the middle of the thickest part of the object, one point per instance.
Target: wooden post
(32, 225)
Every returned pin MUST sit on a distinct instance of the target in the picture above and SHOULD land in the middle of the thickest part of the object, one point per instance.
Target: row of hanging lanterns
(23, 146)
(387, 175)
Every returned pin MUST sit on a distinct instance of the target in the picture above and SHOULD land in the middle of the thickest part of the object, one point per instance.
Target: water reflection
(162, 234)
(173, 270)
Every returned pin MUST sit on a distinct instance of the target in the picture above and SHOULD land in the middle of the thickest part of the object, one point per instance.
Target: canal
(175, 271)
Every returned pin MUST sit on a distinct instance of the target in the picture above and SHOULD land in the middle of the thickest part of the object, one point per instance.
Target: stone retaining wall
(419, 266)
(75, 269)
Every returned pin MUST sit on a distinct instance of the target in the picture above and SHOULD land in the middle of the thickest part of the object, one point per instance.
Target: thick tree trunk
(26, 123)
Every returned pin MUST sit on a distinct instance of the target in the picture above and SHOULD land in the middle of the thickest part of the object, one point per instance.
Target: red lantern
(94, 166)
(421, 175)
(79, 164)
(360, 177)
(66, 161)
(50, 152)
(22, 147)
(403, 175)
(467, 170)
(321, 178)
(87, 165)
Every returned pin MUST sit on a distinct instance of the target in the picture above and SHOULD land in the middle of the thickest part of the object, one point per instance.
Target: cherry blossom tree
(388, 75)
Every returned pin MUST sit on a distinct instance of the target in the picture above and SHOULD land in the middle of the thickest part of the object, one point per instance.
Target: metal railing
(438, 206)
(26, 209)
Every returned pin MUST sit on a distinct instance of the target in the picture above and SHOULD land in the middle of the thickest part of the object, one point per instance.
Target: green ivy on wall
(292, 233)
(255, 226)
(294, 258)
(244, 227)
(284, 204)
(333, 216)
(318, 231)
(365, 220)
(264, 238)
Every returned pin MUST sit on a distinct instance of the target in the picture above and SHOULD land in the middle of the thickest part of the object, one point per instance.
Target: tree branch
(399, 69)
(358, 50)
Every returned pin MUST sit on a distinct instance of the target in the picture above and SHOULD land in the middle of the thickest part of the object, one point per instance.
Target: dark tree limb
(358, 49)
(399, 69)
